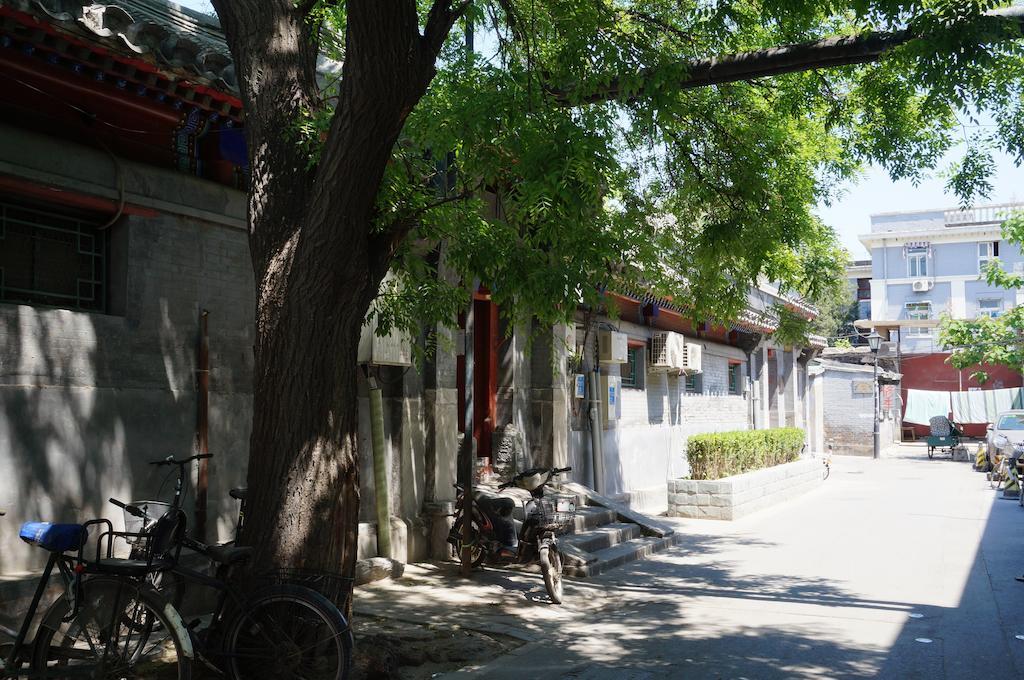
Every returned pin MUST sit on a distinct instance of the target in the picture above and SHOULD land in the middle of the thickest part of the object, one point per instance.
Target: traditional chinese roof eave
(144, 42)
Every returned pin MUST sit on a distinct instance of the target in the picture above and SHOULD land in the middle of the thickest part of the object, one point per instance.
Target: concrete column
(794, 378)
(958, 299)
(780, 387)
(548, 426)
(564, 341)
(521, 380)
(766, 407)
(819, 444)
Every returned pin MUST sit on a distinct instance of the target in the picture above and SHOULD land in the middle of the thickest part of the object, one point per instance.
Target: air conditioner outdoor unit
(612, 347)
(393, 349)
(668, 352)
(922, 285)
(692, 357)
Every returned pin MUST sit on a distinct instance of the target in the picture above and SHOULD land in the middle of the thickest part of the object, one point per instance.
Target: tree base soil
(393, 649)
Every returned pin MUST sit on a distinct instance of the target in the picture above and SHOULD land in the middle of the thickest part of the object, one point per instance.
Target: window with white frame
(918, 311)
(987, 251)
(990, 307)
(917, 262)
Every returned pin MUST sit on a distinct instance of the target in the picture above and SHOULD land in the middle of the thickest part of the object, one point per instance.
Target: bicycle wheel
(121, 630)
(551, 567)
(477, 554)
(288, 632)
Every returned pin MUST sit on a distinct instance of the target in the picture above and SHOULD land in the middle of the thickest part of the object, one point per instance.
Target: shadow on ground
(635, 622)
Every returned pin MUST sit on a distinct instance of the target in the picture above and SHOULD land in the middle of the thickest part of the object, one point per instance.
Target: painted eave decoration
(146, 37)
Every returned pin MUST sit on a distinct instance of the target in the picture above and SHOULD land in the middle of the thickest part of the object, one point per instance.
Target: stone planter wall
(737, 496)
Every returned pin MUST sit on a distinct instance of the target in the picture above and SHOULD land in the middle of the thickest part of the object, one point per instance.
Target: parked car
(1004, 433)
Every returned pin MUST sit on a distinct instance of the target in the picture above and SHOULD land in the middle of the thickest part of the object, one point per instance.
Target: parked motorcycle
(498, 538)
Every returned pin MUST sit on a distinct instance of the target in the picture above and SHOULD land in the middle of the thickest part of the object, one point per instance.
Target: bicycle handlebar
(171, 460)
(130, 509)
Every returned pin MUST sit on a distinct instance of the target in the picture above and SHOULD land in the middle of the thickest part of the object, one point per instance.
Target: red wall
(931, 372)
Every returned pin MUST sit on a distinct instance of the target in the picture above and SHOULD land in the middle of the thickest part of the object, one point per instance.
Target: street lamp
(874, 342)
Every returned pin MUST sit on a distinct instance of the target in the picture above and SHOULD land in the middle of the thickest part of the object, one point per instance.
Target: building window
(919, 311)
(863, 289)
(735, 378)
(693, 383)
(917, 263)
(987, 251)
(52, 259)
(632, 371)
(990, 307)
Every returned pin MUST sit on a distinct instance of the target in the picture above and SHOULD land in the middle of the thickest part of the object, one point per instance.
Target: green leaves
(970, 178)
(697, 194)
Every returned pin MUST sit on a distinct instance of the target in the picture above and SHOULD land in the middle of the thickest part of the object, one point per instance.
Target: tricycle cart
(944, 435)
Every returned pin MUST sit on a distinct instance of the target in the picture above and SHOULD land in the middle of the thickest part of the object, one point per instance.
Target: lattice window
(52, 259)
(632, 371)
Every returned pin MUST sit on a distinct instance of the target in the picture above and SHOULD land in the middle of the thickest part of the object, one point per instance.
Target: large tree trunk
(317, 257)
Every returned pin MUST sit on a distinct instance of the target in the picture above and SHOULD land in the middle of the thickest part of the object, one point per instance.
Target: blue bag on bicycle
(53, 537)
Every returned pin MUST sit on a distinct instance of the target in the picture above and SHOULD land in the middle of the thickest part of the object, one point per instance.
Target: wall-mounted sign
(863, 387)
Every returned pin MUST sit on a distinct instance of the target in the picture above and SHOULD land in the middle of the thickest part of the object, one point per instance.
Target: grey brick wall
(647, 445)
(87, 399)
(847, 421)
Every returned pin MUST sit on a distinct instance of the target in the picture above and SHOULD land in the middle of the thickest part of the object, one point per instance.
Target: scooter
(498, 538)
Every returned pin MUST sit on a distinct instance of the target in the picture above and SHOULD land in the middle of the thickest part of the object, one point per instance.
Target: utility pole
(874, 343)
(468, 459)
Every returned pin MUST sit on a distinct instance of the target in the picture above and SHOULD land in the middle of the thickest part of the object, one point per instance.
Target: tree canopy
(623, 143)
(607, 172)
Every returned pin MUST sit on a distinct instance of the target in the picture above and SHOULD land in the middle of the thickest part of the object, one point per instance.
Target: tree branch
(828, 52)
(659, 23)
(440, 19)
(388, 240)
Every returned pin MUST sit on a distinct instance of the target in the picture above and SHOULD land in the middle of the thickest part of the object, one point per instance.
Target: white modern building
(931, 263)
(927, 263)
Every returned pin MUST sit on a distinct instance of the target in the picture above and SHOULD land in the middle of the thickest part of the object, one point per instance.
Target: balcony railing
(988, 214)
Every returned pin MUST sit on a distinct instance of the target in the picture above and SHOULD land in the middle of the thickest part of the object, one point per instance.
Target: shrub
(723, 454)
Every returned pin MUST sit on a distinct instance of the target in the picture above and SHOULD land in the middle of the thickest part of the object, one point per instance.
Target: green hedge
(723, 454)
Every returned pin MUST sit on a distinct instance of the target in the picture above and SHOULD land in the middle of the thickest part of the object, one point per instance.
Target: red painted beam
(54, 81)
(23, 188)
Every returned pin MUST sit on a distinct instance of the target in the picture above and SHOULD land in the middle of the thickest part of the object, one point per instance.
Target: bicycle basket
(556, 512)
(335, 587)
(153, 510)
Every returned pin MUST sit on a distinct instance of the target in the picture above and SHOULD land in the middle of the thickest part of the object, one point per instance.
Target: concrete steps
(602, 537)
(605, 538)
(589, 517)
(615, 556)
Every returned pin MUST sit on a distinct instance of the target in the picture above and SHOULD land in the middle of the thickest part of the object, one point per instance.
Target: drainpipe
(752, 411)
(203, 422)
(596, 445)
(380, 469)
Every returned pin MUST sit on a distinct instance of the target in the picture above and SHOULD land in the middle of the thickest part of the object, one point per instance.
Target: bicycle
(87, 631)
(494, 534)
(285, 629)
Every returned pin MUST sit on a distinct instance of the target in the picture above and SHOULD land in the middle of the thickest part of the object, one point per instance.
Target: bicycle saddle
(228, 554)
(239, 493)
(53, 537)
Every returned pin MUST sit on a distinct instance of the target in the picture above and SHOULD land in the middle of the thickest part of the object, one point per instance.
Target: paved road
(826, 586)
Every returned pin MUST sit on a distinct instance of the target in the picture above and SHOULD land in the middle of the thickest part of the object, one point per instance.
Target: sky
(875, 193)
